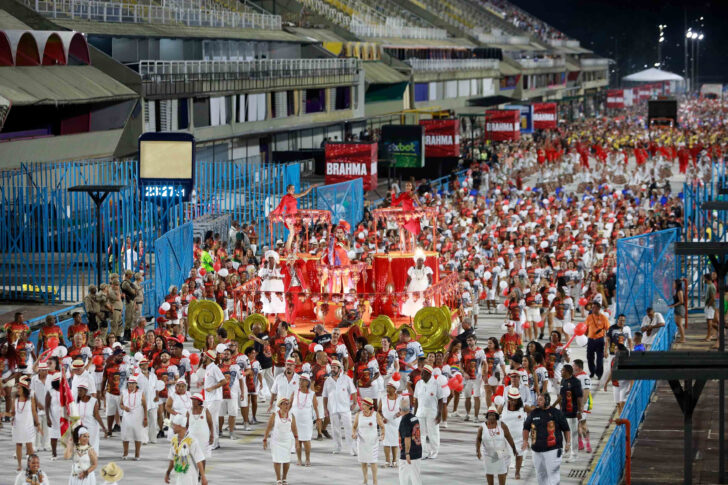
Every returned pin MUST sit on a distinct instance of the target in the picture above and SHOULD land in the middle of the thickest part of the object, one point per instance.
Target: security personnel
(128, 288)
(115, 299)
(544, 427)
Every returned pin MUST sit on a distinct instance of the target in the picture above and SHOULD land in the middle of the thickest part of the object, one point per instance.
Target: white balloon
(492, 381)
(166, 306)
(498, 400)
(551, 297)
(138, 356)
(487, 275)
(581, 340)
(569, 328)
(223, 273)
(501, 308)
(60, 352)
(503, 285)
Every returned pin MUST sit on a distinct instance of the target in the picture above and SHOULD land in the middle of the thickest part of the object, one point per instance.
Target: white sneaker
(455, 414)
(246, 428)
(336, 451)
(444, 424)
(467, 417)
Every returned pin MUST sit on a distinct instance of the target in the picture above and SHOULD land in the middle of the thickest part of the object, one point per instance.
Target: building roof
(652, 75)
(25, 85)
(423, 43)
(94, 144)
(175, 31)
(377, 72)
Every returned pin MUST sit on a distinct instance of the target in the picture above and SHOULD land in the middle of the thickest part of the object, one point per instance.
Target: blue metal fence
(173, 255)
(646, 270)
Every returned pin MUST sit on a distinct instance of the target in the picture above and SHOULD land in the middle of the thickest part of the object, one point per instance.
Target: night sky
(627, 31)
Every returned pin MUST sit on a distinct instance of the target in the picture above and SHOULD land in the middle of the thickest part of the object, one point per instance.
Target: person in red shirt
(75, 350)
(510, 341)
(111, 383)
(138, 336)
(16, 328)
(78, 327)
(50, 329)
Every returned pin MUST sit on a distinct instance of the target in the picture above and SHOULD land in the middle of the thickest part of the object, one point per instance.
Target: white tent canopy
(652, 75)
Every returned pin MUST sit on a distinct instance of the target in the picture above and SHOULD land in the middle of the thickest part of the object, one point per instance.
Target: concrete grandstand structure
(84, 78)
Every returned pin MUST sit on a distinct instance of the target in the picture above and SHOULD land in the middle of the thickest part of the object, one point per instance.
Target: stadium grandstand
(83, 79)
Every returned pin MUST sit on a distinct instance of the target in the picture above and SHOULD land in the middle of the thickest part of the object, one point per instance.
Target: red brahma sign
(442, 138)
(544, 116)
(502, 124)
(348, 161)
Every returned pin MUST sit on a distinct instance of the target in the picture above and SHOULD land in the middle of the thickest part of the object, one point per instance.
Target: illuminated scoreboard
(166, 165)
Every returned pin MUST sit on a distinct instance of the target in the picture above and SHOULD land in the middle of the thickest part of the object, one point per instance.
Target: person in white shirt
(428, 408)
(650, 325)
(134, 406)
(213, 381)
(148, 384)
(338, 393)
(38, 386)
(285, 384)
(79, 375)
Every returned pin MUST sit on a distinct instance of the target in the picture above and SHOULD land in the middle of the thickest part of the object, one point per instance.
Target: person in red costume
(336, 255)
(407, 200)
(289, 206)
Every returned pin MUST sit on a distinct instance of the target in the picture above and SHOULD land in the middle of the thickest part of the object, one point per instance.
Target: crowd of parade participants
(530, 227)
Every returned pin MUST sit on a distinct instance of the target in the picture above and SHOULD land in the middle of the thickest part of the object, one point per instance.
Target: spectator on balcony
(650, 325)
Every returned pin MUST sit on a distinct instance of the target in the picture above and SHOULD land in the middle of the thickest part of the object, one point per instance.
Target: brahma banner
(348, 161)
(502, 124)
(615, 98)
(544, 116)
(442, 138)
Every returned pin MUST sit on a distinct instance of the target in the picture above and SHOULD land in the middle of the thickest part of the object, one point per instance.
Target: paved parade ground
(244, 460)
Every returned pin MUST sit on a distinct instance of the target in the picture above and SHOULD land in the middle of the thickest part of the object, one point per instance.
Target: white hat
(318, 348)
(272, 254)
(220, 348)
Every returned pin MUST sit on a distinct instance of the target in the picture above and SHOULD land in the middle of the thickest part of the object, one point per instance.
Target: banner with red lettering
(502, 124)
(348, 161)
(544, 116)
(442, 138)
(615, 98)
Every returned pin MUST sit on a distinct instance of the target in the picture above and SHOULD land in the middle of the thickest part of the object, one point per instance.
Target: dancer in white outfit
(339, 392)
(134, 405)
(53, 412)
(32, 475)
(389, 409)
(200, 426)
(90, 418)
(84, 458)
(419, 278)
(491, 447)
(365, 433)
(282, 428)
(180, 401)
(271, 285)
(185, 456)
(513, 415)
(305, 403)
(25, 420)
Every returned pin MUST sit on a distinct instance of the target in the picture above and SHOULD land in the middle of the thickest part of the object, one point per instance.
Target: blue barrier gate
(173, 254)
(646, 270)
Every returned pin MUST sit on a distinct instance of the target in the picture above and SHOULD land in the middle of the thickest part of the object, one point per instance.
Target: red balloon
(499, 391)
(582, 302)
(526, 325)
(311, 346)
(217, 266)
(539, 324)
(580, 329)
(194, 359)
(202, 271)
(453, 383)
(162, 311)
(98, 360)
(52, 342)
(459, 388)
(505, 292)
(458, 377)
(396, 376)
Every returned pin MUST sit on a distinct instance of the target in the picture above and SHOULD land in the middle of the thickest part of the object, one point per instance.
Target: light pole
(660, 40)
(688, 36)
(701, 36)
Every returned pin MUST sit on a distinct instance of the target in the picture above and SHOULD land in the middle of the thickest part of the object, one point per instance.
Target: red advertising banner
(502, 124)
(442, 138)
(615, 98)
(348, 161)
(544, 116)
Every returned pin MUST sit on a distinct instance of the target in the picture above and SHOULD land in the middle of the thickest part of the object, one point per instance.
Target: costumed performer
(407, 200)
(419, 279)
(271, 285)
(288, 206)
(336, 256)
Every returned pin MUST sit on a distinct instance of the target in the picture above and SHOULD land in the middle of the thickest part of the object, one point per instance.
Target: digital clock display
(164, 191)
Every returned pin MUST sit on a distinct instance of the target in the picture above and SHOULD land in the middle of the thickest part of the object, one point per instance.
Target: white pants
(268, 380)
(151, 430)
(42, 441)
(214, 408)
(337, 421)
(409, 473)
(574, 427)
(548, 467)
(429, 429)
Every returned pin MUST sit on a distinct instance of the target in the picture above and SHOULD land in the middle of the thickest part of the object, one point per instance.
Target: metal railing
(594, 62)
(452, 64)
(399, 32)
(254, 69)
(534, 63)
(153, 14)
(503, 39)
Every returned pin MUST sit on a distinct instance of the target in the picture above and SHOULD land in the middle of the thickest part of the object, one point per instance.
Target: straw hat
(112, 473)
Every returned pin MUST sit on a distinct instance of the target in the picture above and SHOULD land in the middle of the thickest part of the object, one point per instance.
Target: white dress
(303, 411)
(55, 429)
(199, 430)
(390, 409)
(274, 302)
(81, 462)
(418, 282)
(282, 439)
(514, 421)
(23, 427)
(86, 413)
(496, 457)
(367, 438)
(181, 403)
(132, 428)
